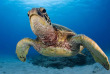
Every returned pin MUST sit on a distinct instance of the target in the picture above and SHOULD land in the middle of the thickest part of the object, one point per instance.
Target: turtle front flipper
(95, 50)
(22, 48)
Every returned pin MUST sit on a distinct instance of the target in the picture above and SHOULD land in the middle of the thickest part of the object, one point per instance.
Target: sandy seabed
(11, 65)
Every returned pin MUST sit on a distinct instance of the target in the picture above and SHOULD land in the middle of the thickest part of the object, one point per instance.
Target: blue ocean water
(89, 17)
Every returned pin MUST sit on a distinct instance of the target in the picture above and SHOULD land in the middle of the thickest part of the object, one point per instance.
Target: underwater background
(89, 17)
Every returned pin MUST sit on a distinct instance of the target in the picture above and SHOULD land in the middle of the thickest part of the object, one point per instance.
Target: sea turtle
(56, 40)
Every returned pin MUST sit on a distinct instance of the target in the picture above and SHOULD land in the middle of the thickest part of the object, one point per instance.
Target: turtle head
(40, 22)
(40, 13)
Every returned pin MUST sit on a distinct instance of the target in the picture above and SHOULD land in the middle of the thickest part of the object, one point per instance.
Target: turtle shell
(62, 28)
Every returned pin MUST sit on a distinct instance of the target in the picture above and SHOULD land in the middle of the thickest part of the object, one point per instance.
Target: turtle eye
(43, 10)
(27, 14)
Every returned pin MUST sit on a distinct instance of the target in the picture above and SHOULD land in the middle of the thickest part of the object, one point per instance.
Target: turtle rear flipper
(22, 48)
(95, 50)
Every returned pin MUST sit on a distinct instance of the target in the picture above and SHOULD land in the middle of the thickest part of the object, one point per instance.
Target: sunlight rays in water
(51, 3)
(46, 3)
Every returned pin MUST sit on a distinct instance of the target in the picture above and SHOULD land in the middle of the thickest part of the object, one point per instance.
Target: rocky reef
(62, 62)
